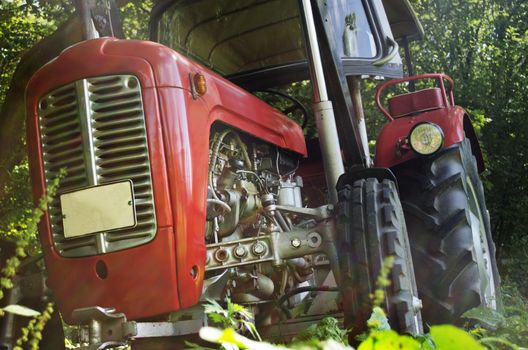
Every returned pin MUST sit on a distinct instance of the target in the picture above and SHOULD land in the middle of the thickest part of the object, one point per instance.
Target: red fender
(429, 105)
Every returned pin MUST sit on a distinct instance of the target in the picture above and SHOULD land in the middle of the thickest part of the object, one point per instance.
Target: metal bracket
(320, 213)
(107, 328)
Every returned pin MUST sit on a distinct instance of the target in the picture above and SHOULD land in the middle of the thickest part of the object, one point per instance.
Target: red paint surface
(448, 116)
(439, 77)
(154, 278)
(414, 102)
(451, 120)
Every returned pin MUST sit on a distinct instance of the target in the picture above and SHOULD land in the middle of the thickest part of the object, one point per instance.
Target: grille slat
(117, 123)
(52, 149)
(135, 235)
(65, 126)
(124, 128)
(70, 163)
(67, 153)
(121, 150)
(115, 105)
(57, 111)
(123, 113)
(113, 123)
(115, 96)
(53, 138)
(123, 169)
(122, 141)
(107, 162)
(59, 119)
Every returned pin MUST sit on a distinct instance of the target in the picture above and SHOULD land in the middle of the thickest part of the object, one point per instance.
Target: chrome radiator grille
(95, 128)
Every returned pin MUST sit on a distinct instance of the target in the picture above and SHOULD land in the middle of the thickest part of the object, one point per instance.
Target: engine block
(258, 233)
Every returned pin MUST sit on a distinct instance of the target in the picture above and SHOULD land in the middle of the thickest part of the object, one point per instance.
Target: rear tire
(449, 229)
(371, 227)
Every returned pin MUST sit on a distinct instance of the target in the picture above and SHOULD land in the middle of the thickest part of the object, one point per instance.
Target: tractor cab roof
(241, 38)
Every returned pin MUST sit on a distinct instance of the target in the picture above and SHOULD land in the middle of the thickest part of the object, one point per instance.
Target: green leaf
(448, 337)
(389, 340)
(488, 318)
(327, 328)
(378, 321)
(21, 310)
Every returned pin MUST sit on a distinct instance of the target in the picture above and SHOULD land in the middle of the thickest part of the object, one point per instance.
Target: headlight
(426, 138)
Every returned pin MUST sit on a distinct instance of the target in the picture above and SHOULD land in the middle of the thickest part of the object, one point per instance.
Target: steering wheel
(296, 105)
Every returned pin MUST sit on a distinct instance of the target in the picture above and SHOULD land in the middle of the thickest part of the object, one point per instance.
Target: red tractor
(183, 186)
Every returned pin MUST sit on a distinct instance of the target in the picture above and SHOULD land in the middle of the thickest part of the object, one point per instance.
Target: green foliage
(507, 330)
(135, 16)
(23, 23)
(25, 232)
(483, 45)
(448, 337)
(389, 340)
(378, 321)
(32, 333)
(17, 204)
(488, 318)
(382, 282)
(233, 317)
(23, 228)
(327, 335)
(327, 328)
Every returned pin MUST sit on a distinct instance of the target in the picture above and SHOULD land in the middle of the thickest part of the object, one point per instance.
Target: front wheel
(371, 227)
(449, 229)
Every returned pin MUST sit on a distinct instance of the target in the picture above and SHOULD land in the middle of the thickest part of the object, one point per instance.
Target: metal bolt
(259, 248)
(417, 303)
(221, 255)
(295, 242)
(330, 208)
(240, 251)
(314, 240)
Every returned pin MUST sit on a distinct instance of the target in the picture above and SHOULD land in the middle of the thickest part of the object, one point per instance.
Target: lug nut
(295, 242)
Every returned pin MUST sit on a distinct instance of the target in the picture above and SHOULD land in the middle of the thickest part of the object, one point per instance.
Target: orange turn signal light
(200, 85)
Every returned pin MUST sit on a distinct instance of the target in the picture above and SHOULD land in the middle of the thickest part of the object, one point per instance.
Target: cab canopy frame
(238, 38)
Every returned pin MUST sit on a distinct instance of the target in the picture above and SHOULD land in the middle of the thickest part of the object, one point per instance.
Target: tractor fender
(454, 122)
